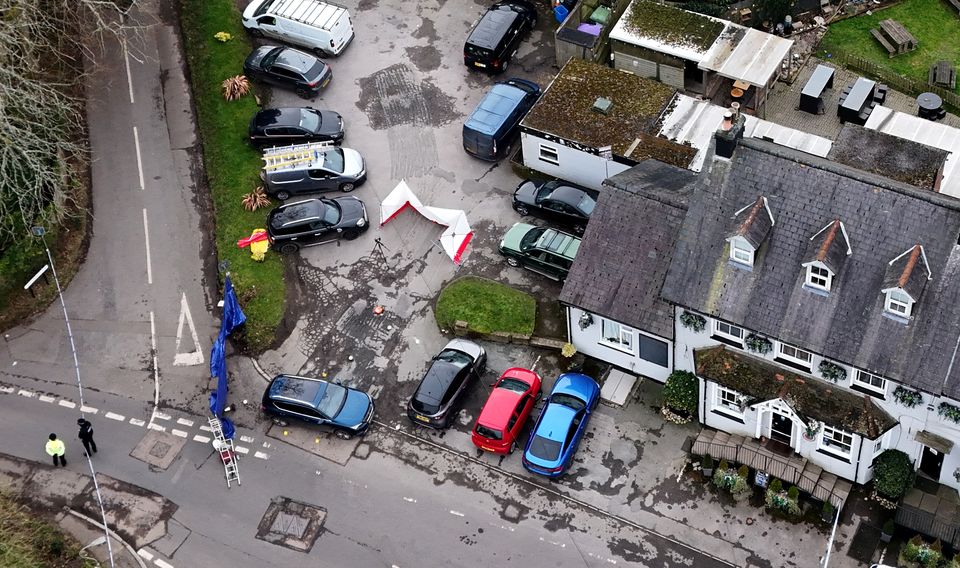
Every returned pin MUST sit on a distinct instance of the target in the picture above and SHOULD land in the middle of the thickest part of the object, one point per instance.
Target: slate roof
(626, 249)
(908, 271)
(896, 158)
(830, 246)
(883, 218)
(753, 222)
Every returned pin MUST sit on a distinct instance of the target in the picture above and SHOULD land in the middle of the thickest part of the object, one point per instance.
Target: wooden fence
(896, 81)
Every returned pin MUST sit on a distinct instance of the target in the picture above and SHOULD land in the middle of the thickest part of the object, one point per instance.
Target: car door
(301, 411)
(576, 431)
(268, 26)
(322, 179)
(519, 416)
(456, 387)
(283, 76)
(552, 210)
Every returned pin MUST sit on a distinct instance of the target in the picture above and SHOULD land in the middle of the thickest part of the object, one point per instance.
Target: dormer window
(819, 277)
(828, 250)
(899, 303)
(906, 277)
(741, 251)
(752, 226)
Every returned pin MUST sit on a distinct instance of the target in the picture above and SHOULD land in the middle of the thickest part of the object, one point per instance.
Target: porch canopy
(809, 398)
(746, 54)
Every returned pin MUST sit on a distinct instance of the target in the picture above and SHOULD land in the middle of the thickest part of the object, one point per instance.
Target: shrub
(793, 493)
(744, 471)
(919, 551)
(949, 411)
(732, 481)
(724, 464)
(693, 321)
(776, 486)
(235, 87)
(255, 199)
(828, 509)
(680, 391)
(707, 462)
(781, 501)
(892, 473)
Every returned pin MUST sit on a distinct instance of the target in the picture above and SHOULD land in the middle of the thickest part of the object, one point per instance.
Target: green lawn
(487, 306)
(28, 541)
(934, 23)
(232, 165)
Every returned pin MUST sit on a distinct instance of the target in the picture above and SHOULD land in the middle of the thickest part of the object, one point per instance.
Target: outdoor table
(929, 104)
(736, 94)
(860, 94)
(810, 97)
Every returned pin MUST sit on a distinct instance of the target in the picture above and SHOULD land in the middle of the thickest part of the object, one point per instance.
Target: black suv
(558, 201)
(546, 251)
(495, 39)
(284, 126)
(346, 411)
(458, 364)
(315, 221)
(287, 67)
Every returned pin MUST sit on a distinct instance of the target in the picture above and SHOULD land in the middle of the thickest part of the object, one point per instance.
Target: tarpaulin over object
(232, 318)
(458, 234)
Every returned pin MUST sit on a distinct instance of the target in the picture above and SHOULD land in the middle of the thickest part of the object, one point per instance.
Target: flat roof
(887, 155)
(916, 129)
(747, 55)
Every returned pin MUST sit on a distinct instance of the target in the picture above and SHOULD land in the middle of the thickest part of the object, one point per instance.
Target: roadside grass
(487, 306)
(28, 541)
(933, 22)
(232, 165)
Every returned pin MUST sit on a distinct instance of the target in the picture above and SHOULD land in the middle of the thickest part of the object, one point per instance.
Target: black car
(287, 67)
(315, 221)
(495, 39)
(458, 364)
(346, 411)
(283, 126)
(559, 201)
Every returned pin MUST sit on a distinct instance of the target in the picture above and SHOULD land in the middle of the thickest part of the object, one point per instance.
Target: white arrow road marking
(194, 357)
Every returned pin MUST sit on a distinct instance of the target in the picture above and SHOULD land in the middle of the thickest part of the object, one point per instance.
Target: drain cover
(159, 449)
(291, 524)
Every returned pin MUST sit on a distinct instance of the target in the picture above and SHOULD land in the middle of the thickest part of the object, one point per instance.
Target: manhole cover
(291, 524)
(159, 449)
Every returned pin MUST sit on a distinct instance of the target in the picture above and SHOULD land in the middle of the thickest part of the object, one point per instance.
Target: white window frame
(819, 277)
(805, 362)
(866, 384)
(831, 445)
(625, 340)
(727, 334)
(727, 400)
(550, 154)
(741, 254)
(898, 306)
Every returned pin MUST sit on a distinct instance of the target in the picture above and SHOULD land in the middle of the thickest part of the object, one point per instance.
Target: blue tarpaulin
(232, 318)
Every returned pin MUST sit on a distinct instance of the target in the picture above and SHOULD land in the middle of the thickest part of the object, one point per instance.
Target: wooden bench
(891, 51)
(894, 37)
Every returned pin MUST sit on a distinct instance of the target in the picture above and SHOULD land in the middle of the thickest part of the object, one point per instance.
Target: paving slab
(322, 444)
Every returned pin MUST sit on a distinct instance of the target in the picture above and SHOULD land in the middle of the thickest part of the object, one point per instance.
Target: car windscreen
(333, 160)
(332, 400)
(262, 9)
(587, 204)
(331, 213)
(547, 450)
(530, 238)
(488, 433)
(310, 121)
(569, 401)
(514, 385)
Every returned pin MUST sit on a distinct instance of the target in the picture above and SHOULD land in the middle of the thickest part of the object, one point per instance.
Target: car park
(286, 126)
(543, 250)
(344, 410)
(495, 38)
(319, 26)
(506, 411)
(457, 365)
(315, 221)
(561, 425)
(290, 68)
(556, 201)
(311, 168)
(492, 126)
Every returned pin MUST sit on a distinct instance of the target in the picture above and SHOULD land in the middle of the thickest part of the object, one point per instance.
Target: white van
(323, 28)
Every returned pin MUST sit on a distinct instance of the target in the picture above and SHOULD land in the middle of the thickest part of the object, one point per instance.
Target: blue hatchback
(561, 424)
(344, 410)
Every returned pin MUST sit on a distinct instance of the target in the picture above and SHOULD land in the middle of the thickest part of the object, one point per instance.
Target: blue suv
(346, 411)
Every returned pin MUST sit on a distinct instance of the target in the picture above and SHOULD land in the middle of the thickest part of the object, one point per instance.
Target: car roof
(294, 59)
(300, 389)
(278, 117)
(437, 381)
(494, 108)
(491, 27)
(560, 243)
(567, 194)
(577, 384)
(293, 213)
(556, 422)
(498, 408)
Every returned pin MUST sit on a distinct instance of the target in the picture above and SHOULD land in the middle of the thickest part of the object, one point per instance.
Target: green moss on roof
(889, 156)
(760, 381)
(672, 25)
(565, 109)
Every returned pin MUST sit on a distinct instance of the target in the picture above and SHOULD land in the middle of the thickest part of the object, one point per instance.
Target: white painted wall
(580, 167)
(590, 342)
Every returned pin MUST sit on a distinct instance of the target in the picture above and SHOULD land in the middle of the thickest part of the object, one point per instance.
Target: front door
(930, 463)
(781, 429)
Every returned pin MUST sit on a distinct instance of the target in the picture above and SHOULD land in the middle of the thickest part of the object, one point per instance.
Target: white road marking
(6, 390)
(146, 236)
(178, 433)
(457, 513)
(26, 393)
(162, 563)
(266, 444)
(153, 339)
(145, 554)
(157, 427)
(194, 357)
(201, 439)
(246, 439)
(506, 528)
(553, 542)
(534, 366)
(88, 410)
(67, 403)
(185, 422)
(261, 455)
(45, 398)
(138, 422)
(206, 428)
(118, 417)
(409, 499)
(161, 416)
(680, 473)
(242, 450)
(126, 61)
(136, 144)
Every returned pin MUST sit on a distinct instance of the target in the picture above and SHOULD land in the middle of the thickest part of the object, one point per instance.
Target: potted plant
(826, 513)
(811, 430)
(707, 465)
(886, 533)
(680, 397)
(892, 476)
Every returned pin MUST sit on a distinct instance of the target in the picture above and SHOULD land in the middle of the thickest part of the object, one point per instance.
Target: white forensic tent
(458, 234)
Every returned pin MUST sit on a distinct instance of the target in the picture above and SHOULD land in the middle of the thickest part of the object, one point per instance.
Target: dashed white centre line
(409, 499)
(143, 553)
(126, 61)
(138, 422)
(45, 398)
(26, 393)
(157, 427)
(6, 390)
(67, 403)
(201, 439)
(457, 513)
(88, 410)
(184, 422)
(178, 433)
(242, 450)
(162, 563)
(117, 417)
(261, 455)
(146, 237)
(206, 428)
(136, 143)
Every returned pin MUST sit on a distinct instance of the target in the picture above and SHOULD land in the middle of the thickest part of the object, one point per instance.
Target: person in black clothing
(86, 435)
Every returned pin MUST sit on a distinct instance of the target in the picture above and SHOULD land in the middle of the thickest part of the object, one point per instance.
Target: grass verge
(232, 166)
(933, 22)
(487, 306)
(28, 541)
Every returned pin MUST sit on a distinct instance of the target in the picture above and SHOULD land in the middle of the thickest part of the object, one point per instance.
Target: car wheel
(289, 248)
(505, 66)
(322, 53)
(350, 235)
(513, 447)
(522, 210)
(303, 93)
(255, 32)
(513, 262)
(347, 187)
(578, 230)
(342, 435)
(282, 195)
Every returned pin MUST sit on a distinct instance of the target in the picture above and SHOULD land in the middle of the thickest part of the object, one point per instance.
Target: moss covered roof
(671, 25)
(566, 110)
(808, 397)
(889, 156)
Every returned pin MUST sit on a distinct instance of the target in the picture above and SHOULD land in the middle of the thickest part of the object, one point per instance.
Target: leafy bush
(828, 509)
(730, 480)
(776, 486)
(949, 411)
(681, 390)
(758, 343)
(892, 473)
(926, 554)
(744, 471)
(831, 371)
(793, 493)
(907, 397)
(707, 462)
(724, 464)
(693, 321)
(781, 501)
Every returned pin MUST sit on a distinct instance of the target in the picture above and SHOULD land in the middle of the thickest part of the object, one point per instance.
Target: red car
(513, 397)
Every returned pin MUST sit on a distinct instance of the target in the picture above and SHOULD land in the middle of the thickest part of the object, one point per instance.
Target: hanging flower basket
(811, 431)
(758, 343)
(692, 321)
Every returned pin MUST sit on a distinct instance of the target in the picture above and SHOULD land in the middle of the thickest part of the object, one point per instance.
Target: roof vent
(603, 105)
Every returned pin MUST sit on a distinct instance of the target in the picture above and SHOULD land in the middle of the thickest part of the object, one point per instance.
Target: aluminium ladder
(285, 156)
(228, 454)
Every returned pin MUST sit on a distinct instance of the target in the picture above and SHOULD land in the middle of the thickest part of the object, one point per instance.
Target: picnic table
(930, 106)
(942, 74)
(894, 37)
(857, 101)
(811, 97)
